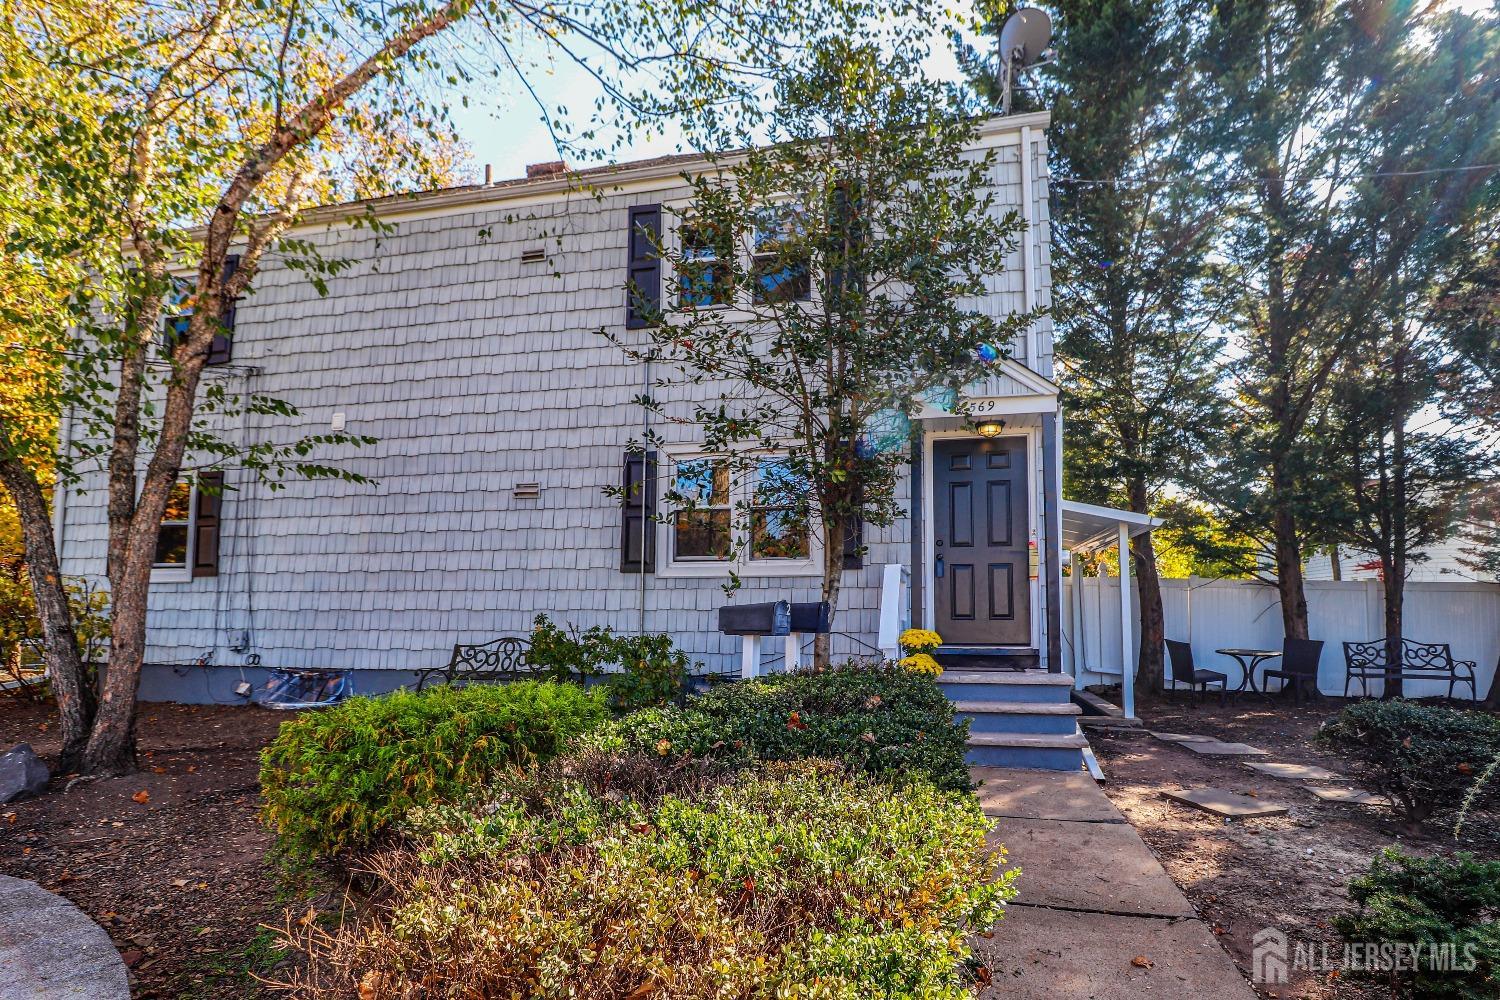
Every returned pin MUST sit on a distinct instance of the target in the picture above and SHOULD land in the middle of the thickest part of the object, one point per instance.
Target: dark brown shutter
(854, 540)
(206, 523)
(638, 513)
(222, 348)
(643, 277)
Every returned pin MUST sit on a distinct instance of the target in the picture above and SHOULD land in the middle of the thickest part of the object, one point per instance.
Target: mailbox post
(753, 622)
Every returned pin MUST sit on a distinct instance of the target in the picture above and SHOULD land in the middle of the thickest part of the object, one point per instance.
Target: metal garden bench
(502, 659)
(1420, 661)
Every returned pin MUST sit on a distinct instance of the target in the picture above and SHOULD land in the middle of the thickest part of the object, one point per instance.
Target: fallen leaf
(142, 796)
(158, 770)
(371, 985)
(10, 818)
(1142, 962)
(192, 768)
(308, 917)
(132, 958)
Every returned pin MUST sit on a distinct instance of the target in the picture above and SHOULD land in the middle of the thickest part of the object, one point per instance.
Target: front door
(980, 563)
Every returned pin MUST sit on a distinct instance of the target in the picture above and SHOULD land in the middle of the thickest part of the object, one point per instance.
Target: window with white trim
(780, 266)
(747, 516)
(774, 529)
(701, 531)
(706, 275)
(174, 537)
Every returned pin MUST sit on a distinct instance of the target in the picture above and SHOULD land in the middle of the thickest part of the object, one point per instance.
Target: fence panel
(1213, 614)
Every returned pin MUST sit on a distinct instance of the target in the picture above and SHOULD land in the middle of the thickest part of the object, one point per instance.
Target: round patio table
(1248, 660)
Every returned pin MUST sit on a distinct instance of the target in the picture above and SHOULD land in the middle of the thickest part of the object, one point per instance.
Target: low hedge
(1422, 757)
(879, 720)
(336, 779)
(1443, 913)
(797, 880)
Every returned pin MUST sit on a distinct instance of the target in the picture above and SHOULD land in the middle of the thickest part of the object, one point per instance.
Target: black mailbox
(756, 619)
(811, 616)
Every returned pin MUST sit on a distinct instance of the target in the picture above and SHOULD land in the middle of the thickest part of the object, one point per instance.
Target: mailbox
(812, 617)
(774, 618)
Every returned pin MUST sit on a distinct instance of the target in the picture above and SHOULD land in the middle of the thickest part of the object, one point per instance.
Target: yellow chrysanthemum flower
(919, 640)
(920, 663)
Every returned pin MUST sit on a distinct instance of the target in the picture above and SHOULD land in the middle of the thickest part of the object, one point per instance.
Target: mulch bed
(1285, 871)
(171, 861)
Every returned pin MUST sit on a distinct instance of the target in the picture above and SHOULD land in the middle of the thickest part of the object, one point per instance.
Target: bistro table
(1248, 660)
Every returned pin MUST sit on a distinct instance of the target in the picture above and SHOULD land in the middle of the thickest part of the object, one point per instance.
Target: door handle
(937, 566)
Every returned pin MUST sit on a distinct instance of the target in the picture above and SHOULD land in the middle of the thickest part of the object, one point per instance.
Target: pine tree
(1132, 230)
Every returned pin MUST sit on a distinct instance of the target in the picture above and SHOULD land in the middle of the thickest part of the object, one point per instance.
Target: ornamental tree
(148, 143)
(824, 283)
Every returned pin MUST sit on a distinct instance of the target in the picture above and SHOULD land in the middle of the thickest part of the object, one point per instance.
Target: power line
(1248, 181)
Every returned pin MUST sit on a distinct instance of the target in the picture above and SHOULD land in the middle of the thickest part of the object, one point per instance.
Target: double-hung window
(780, 267)
(701, 530)
(706, 276)
(776, 531)
(748, 515)
(187, 541)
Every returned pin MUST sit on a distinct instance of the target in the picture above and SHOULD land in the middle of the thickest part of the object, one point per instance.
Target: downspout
(646, 487)
(59, 491)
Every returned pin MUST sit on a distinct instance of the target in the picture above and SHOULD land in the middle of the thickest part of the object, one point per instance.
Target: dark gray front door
(980, 564)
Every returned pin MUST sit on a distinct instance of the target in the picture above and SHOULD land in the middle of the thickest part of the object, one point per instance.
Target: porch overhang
(1012, 390)
(1088, 527)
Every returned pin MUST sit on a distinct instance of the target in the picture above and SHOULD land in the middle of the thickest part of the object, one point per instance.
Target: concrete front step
(1013, 658)
(1042, 751)
(1018, 716)
(1000, 685)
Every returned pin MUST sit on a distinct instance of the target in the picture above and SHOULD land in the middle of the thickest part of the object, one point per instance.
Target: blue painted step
(1041, 752)
(1018, 717)
(997, 685)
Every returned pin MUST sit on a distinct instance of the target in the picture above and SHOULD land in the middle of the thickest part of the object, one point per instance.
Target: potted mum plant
(917, 645)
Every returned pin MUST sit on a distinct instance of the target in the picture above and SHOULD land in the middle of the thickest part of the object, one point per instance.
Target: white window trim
(170, 573)
(741, 564)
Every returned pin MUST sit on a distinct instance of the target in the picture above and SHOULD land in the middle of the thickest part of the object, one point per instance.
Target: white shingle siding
(475, 372)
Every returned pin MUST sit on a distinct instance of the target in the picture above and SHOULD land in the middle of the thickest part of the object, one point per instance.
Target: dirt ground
(170, 861)
(1288, 871)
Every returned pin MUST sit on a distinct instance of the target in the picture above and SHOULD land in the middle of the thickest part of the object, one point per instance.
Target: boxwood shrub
(1423, 757)
(1423, 905)
(881, 721)
(336, 779)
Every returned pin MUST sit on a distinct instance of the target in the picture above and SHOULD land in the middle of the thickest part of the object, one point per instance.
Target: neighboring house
(1444, 562)
(466, 341)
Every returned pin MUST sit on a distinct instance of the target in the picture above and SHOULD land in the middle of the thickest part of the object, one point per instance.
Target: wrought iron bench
(502, 659)
(1420, 661)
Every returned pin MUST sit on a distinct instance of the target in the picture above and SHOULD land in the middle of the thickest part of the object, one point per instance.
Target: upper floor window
(780, 265)
(706, 277)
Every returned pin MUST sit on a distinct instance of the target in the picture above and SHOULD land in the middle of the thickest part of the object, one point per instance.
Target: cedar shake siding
(477, 371)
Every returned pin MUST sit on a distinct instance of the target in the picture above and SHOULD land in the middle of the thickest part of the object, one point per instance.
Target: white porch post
(1080, 648)
(1127, 640)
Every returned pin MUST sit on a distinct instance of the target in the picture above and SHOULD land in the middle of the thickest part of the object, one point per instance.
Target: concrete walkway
(51, 950)
(1093, 900)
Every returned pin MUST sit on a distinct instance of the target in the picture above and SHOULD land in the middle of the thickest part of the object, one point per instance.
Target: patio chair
(1180, 669)
(1299, 667)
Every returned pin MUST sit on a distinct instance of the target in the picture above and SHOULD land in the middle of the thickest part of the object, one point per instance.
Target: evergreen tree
(1132, 231)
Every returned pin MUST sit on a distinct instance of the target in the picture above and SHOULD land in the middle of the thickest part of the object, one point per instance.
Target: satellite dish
(1025, 41)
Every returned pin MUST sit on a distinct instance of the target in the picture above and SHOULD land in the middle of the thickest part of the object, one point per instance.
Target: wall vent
(527, 491)
(536, 255)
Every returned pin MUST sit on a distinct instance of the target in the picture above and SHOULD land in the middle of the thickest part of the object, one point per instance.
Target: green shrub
(566, 654)
(336, 779)
(878, 720)
(1423, 758)
(803, 881)
(1430, 903)
(652, 672)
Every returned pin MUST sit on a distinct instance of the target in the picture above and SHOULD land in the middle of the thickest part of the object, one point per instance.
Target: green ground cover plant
(605, 875)
(878, 719)
(1424, 758)
(337, 779)
(1430, 904)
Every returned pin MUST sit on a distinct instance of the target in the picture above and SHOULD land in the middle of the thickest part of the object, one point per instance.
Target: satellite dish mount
(1025, 41)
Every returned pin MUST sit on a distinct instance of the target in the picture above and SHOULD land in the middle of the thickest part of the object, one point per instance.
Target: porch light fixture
(989, 427)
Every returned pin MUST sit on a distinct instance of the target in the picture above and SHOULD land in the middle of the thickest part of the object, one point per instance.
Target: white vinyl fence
(1213, 614)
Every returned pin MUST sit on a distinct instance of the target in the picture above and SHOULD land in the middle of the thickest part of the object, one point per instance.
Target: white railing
(895, 608)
